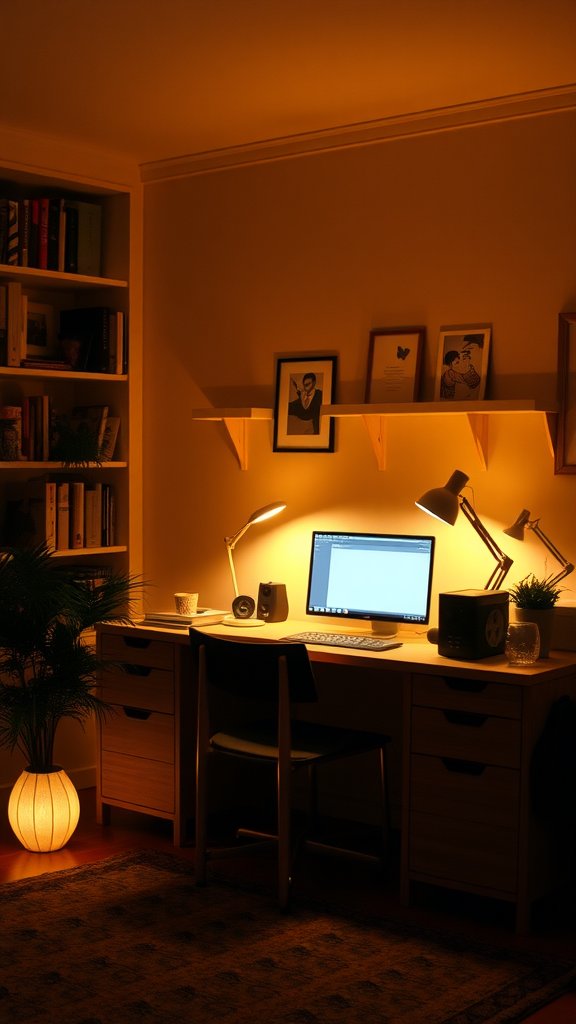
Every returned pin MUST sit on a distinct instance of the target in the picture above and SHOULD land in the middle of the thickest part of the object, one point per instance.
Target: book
(12, 254)
(63, 517)
(3, 325)
(43, 205)
(90, 418)
(93, 516)
(88, 237)
(76, 493)
(23, 232)
(111, 430)
(14, 323)
(89, 329)
(3, 229)
(33, 234)
(53, 241)
(71, 239)
(29, 514)
(10, 433)
(51, 498)
(203, 616)
(39, 363)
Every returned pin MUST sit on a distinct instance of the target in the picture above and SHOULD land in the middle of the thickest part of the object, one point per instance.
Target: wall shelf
(236, 422)
(476, 413)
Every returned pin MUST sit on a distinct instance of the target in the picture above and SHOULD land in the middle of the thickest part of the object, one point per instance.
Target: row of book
(31, 431)
(64, 515)
(91, 339)
(51, 234)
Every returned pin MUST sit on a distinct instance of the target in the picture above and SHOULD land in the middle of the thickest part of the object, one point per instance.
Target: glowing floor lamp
(525, 523)
(243, 606)
(444, 503)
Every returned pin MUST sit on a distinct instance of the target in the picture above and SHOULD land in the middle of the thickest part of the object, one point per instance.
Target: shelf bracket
(238, 435)
(479, 427)
(376, 427)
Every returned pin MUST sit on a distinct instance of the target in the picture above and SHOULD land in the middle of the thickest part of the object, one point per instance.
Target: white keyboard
(359, 643)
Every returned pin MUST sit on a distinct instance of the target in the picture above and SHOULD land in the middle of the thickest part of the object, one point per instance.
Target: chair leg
(312, 798)
(386, 822)
(284, 774)
(201, 772)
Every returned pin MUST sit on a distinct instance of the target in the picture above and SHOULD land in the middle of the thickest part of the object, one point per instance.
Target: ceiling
(159, 79)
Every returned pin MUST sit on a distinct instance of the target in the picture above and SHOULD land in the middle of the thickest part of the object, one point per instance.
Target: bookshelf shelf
(477, 414)
(32, 277)
(25, 465)
(74, 552)
(69, 375)
(236, 422)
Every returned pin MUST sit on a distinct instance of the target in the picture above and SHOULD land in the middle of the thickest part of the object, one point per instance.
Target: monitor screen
(371, 576)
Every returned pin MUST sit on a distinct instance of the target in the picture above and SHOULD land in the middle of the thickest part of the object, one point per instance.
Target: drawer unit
(468, 695)
(146, 747)
(465, 790)
(137, 651)
(140, 733)
(467, 735)
(139, 686)
(136, 781)
(467, 852)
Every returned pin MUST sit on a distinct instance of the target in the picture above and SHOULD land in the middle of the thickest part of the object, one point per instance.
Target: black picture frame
(299, 425)
(565, 460)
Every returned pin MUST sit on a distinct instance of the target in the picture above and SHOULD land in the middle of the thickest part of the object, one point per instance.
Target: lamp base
(231, 620)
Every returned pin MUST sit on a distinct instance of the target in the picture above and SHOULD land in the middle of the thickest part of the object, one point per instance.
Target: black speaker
(243, 606)
(272, 602)
(472, 624)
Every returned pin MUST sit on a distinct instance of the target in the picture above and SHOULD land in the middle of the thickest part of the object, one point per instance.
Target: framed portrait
(565, 461)
(393, 371)
(462, 364)
(40, 336)
(302, 387)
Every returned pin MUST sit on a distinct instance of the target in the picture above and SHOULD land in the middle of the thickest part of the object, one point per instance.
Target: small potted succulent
(535, 600)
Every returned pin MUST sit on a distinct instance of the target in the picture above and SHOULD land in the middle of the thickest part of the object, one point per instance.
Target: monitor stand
(382, 628)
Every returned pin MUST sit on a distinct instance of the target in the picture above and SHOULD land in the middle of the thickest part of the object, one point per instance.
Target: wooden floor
(553, 929)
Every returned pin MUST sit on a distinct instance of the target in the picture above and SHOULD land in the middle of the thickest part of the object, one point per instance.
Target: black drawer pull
(453, 764)
(136, 670)
(465, 718)
(137, 713)
(468, 685)
(136, 641)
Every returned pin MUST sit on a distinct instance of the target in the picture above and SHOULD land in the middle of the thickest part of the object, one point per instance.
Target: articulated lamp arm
(504, 561)
(567, 566)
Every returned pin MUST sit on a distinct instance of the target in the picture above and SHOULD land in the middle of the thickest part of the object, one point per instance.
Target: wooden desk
(469, 729)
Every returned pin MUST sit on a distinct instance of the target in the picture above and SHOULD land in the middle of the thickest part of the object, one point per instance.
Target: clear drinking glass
(522, 643)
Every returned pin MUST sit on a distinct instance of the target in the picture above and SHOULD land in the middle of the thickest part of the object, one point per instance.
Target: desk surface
(415, 655)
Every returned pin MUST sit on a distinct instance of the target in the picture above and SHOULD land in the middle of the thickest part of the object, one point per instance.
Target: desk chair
(281, 674)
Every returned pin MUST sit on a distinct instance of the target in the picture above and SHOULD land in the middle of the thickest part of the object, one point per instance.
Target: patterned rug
(131, 939)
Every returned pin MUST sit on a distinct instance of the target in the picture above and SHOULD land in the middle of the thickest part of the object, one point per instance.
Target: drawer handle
(452, 764)
(137, 713)
(136, 670)
(136, 641)
(468, 685)
(465, 718)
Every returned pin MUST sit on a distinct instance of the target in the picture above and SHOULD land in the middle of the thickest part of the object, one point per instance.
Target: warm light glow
(43, 810)
(267, 511)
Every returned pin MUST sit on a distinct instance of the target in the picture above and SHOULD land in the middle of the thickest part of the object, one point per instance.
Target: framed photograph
(462, 364)
(302, 387)
(40, 335)
(393, 370)
(566, 434)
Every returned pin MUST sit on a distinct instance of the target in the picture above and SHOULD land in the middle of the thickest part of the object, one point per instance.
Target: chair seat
(310, 742)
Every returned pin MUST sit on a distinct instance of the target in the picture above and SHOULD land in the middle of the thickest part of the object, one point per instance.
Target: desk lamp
(243, 606)
(525, 523)
(444, 502)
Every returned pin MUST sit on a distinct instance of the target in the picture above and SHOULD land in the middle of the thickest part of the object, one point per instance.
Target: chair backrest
(250, 670)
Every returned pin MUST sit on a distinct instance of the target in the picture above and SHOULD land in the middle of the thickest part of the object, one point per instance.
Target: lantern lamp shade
(43, 809)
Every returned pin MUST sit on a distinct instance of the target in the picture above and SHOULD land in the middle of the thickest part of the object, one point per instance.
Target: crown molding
(423, 122)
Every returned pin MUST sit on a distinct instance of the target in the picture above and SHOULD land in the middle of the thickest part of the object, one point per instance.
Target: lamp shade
(516, 531)
(442, 502)
(43, 809)
(266, 512)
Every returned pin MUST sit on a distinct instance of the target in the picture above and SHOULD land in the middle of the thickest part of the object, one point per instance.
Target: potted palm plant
(49, 672)
(535, 600)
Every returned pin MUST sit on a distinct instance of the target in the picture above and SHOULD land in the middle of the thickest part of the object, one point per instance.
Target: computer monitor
(383, 578)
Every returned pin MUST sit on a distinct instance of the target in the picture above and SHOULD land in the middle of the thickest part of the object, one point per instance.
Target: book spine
(77, 514)
(12, 232)
(63, 517)
(3, 325)
(14, 294)
(53, 233)
(45, 428)
(33, 234)
(43, 205)
(71, 240)
(23, 327)
(119, 342)
(51, 516)
(23, 231)
(3, 229)
(91, 523)
(26, 429)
